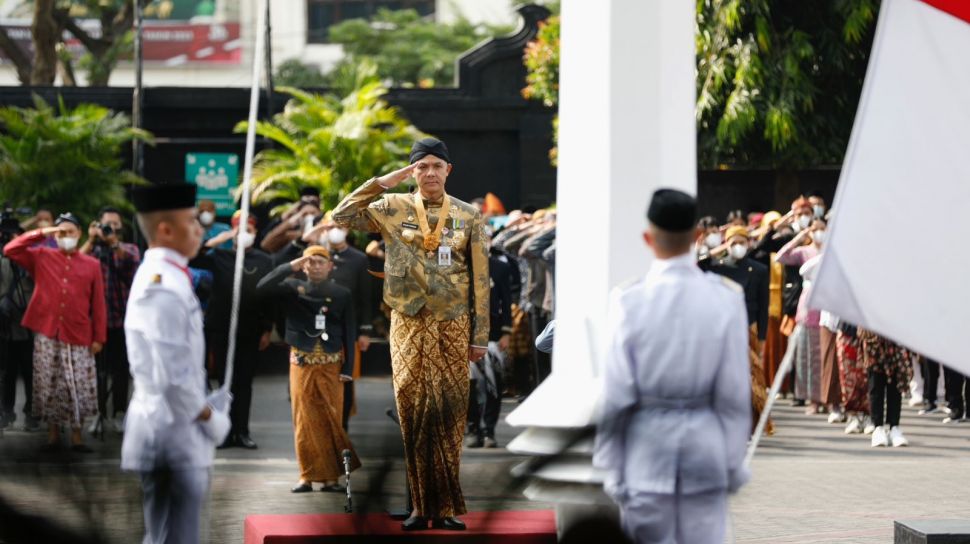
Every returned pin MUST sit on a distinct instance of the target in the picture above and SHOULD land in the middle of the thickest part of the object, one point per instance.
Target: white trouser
(675, 519)
(173, 501)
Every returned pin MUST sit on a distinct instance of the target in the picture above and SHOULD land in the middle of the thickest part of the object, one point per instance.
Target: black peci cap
(161, 197)
(672, 210)
(69, 218)
(309, 191)
(428, 146)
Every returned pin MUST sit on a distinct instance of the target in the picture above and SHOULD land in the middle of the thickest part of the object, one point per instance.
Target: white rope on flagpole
(258, 49)
(783, 368)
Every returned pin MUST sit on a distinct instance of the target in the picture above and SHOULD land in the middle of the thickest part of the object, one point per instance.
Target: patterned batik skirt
(852, 374)
(808, 366)
(317, 395)
(759, 388)
(65, 382)
(429, 363)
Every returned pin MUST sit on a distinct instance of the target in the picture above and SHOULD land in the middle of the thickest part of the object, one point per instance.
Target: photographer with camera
(118, 260)
(16, 342)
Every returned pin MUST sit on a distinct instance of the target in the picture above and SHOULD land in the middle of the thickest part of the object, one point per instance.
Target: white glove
(219, 400)
(217, 426)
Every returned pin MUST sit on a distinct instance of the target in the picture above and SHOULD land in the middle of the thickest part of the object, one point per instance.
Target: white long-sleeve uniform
(676, 408)
(166, 350)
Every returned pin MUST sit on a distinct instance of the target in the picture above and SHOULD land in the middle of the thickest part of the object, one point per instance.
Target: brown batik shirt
(413, 277)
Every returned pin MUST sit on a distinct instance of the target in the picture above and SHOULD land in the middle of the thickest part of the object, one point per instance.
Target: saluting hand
(474, 353)
(297, 264)
(394, 179)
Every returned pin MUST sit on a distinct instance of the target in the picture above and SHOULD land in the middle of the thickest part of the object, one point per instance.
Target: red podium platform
(520, 527)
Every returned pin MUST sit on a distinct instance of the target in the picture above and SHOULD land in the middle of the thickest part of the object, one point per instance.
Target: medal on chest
(432, 239)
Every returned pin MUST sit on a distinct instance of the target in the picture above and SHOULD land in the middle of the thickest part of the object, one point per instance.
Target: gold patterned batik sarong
(429, 362)
(318, 402)
(759, 389)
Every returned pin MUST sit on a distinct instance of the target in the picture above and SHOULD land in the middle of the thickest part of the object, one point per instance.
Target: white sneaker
(854, 426)
(836, 417)
(118, 424)
(867, 426)
(897, 438)
(916, 399)
(879, 437)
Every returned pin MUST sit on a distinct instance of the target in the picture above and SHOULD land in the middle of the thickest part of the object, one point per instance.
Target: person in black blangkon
(485, 397)
(255, 320)
(16, 342)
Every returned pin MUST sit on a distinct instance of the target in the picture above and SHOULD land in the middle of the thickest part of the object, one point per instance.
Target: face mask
(818, 236)
(245, 239)
(67, 244)
(738, 251)
(819, 211)
(206, 218)
(804, 221)
(337, 236)
(712, 240)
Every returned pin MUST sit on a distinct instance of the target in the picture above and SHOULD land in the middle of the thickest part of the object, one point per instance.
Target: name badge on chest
(444, 255)
(321, 325)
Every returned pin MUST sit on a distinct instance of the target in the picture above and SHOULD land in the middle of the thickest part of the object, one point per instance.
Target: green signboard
(216, 175)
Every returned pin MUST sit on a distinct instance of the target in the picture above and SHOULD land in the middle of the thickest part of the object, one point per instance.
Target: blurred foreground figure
(676, 404)
(172, 428)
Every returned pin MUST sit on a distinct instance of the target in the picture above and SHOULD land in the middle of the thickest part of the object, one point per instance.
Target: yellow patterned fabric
(759, 389)
(317, 396)
(413, 278)
(429, 362)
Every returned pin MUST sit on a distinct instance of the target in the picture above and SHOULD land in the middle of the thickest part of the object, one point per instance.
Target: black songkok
(672, 210)
(69, 218)
(310, 191)
(157, 198)
(429, 146)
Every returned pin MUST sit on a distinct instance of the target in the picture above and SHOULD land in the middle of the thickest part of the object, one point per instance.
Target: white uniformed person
(676, 409)
(171, 428)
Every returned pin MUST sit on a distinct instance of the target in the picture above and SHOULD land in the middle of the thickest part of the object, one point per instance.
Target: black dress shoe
(302, 487)
(333, 488)
(415, 523)
(243, 441)
(450, 524)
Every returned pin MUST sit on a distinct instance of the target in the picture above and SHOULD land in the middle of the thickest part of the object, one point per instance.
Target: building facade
(208, 43)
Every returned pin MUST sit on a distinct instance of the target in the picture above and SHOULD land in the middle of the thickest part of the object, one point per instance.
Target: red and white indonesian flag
(898, 257)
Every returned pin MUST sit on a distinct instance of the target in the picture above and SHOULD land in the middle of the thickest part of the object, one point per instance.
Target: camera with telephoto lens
(106, 229)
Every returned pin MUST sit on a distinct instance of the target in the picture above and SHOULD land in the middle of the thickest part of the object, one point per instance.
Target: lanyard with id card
(444, 255)
(321, 325)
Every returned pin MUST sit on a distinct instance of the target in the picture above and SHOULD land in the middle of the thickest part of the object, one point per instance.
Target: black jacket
(350, 271)
(303, 301)
(752, 276)
(255, 310)
(500, 299)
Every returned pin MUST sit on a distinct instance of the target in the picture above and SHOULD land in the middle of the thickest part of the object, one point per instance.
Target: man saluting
(436, 283)
(172, 428)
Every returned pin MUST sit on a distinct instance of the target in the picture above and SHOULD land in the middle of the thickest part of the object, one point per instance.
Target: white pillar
(626, 129)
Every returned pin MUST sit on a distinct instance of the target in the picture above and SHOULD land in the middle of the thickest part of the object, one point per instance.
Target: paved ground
(811, 482)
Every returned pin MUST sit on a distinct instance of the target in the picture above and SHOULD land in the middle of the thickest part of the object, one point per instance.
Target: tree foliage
(330, 143)
(65, 158)
(542, 72)
(409, 50)
(778, 82)
(293, 73)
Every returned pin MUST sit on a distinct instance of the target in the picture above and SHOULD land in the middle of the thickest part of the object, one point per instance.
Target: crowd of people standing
(853, 375)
